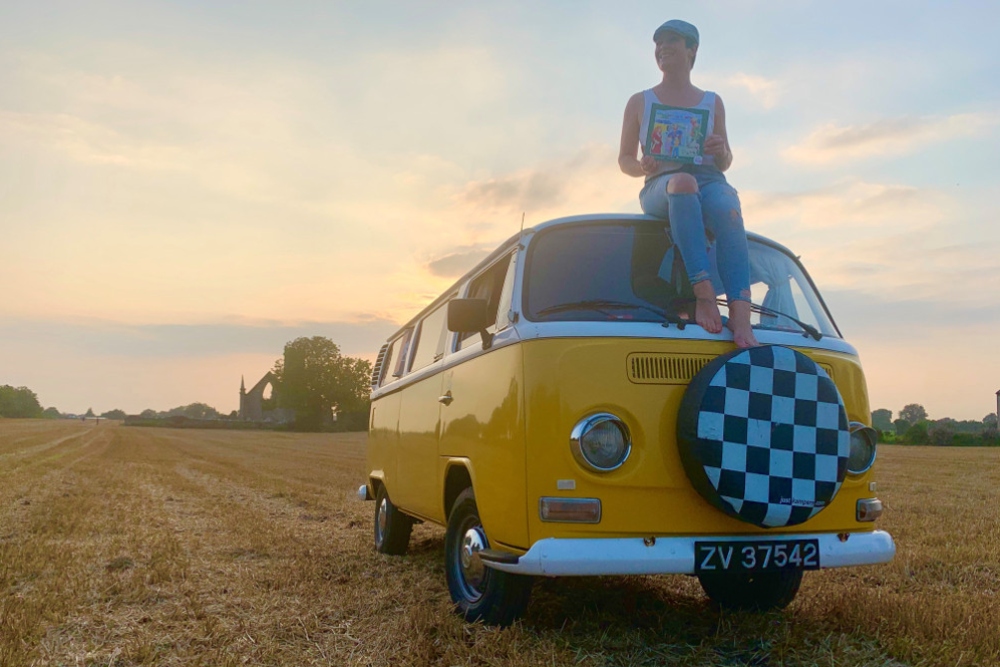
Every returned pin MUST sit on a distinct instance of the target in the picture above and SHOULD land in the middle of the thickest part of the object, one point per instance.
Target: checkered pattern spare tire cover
(764, 437)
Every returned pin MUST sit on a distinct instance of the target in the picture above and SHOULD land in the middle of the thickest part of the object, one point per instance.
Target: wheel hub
(473, 570)
(382, 520)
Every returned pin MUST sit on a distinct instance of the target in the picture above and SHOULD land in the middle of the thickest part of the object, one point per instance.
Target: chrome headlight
(600, 442)
(863, 443)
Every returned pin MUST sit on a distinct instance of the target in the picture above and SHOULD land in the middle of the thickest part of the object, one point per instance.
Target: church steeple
(243, 387)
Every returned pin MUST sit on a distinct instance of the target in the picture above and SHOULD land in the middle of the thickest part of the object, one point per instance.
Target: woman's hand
(715, 144)
(648, 164)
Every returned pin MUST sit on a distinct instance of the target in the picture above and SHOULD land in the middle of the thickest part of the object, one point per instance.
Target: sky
(187, 186)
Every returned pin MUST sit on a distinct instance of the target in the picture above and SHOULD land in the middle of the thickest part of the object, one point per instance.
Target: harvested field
(133, 546)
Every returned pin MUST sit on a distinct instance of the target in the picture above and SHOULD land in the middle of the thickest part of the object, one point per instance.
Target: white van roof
(509, 244)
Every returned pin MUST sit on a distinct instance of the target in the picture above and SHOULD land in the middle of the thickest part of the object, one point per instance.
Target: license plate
(768, 556)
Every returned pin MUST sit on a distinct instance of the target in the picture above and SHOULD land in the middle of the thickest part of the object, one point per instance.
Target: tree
(882, 419)
(917, 434)
(913, 413)
(941, 432)
(89, 413)
(19, 402)
(51, 413)
(316, 381)
(901, 426)
(114, 414)
(990, 420)
(194, 411)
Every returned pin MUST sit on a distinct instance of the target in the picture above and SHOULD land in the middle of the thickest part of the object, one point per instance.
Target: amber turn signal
(869, 509)
(574, 510)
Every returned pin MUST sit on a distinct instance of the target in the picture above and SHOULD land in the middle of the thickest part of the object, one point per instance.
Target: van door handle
(446, 399)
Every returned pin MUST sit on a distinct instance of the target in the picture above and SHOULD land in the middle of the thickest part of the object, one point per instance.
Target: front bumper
(555, 557)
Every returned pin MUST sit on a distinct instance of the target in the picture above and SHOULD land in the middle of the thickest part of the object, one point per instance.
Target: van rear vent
(377, 368)
(653, 368)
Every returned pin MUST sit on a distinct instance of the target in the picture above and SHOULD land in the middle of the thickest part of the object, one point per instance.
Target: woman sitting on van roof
(681, 131)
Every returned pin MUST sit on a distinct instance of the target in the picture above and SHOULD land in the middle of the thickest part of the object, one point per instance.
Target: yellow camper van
(558, 411)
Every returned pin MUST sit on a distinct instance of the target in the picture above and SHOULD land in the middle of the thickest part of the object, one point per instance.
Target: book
(676, 134)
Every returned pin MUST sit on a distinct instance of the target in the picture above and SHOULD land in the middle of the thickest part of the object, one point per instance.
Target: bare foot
(739, 324)
(706, 311)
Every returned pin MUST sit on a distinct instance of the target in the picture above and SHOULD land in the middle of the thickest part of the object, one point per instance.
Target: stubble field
(131, 546)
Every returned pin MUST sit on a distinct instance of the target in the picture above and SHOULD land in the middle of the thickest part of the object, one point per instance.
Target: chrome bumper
(556, 557)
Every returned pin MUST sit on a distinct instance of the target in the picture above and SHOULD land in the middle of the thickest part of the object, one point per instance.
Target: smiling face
(672, 52)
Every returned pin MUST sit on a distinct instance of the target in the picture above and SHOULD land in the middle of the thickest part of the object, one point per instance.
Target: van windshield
(630, 271)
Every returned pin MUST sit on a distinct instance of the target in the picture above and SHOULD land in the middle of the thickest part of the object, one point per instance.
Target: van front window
(632, 272)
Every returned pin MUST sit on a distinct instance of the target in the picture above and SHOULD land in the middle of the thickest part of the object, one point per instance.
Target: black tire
(392, 527)
(763, 591)
(479, 592)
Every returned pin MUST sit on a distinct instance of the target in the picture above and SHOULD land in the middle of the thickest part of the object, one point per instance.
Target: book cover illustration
(676, 134)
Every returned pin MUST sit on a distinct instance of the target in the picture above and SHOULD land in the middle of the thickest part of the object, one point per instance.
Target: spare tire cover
(763, 436)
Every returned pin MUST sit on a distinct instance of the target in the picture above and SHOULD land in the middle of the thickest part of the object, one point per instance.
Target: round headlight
(600, 442)
(863, 442)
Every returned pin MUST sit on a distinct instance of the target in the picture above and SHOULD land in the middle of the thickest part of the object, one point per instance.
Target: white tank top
(707, 102)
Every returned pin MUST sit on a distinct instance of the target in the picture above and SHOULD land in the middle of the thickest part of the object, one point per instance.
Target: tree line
(914, 427)
(22, 403)
(324, 389)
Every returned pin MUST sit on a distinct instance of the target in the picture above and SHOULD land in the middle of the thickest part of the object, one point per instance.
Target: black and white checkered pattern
(771, 437)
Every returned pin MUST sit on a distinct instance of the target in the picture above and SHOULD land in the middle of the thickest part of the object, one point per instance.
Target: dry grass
(126, 546)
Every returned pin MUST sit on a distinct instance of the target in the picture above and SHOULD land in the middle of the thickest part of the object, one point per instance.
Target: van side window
(395, 358)
(403, 343)
(495, 286)
(430, 338)
(506, 296)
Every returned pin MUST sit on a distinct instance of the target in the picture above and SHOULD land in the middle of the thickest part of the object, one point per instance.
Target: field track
(135, 546)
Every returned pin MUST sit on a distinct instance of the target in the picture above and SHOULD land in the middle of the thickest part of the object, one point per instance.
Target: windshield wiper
(810, 330)
(600, 305)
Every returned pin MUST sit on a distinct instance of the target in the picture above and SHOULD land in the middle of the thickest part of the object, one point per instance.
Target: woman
(685, 182)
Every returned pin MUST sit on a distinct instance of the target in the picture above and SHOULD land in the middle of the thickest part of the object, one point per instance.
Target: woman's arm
(628, 152)
(717, 144)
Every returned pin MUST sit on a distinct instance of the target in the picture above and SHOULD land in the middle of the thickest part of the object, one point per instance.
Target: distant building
(252, 402)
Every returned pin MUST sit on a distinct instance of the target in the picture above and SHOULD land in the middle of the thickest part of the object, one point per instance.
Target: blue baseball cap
(682, 28)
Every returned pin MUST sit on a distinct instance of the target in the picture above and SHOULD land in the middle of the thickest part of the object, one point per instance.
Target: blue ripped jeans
(715, 208)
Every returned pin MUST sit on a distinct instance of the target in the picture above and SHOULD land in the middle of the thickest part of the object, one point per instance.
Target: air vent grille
(653, 368)
(829, 370)
(377, 368)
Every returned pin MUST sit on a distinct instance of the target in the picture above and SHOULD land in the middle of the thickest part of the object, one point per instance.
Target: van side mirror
(465, 315)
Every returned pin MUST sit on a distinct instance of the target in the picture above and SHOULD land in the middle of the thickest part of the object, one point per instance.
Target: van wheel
(392, 527)
(762, 591)
(479, 592)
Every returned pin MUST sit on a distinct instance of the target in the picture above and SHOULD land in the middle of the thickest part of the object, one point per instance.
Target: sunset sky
(186, 186)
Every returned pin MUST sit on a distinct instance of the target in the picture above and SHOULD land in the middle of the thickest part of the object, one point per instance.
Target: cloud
(764, 91)
(88, 142)
(459, 261)
(114, 339)
(887, 137)
(532, 189)
(588, 180)
(851, 203)
(869, 312)
(914, 252)
(912, 353)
